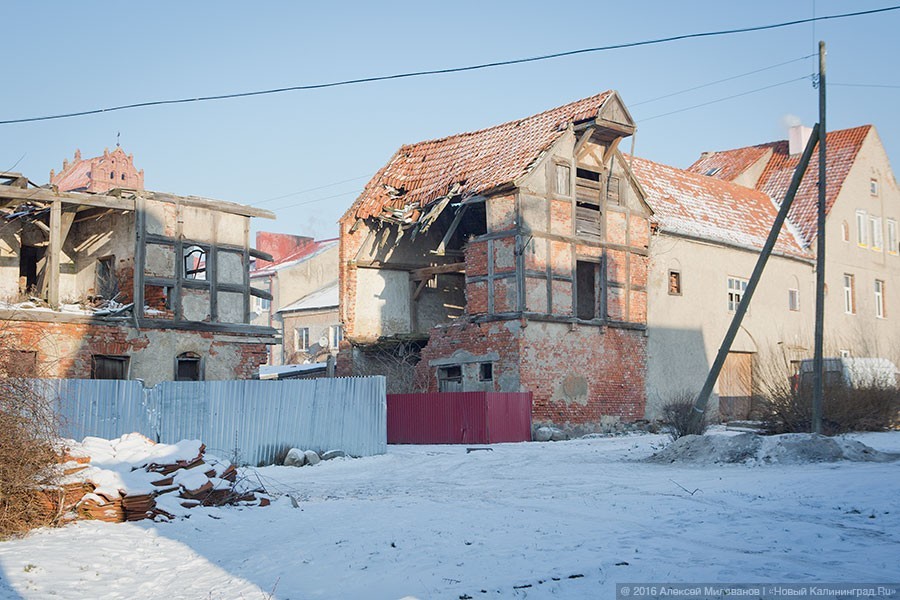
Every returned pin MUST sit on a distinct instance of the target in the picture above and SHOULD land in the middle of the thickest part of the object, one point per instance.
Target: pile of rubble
(133, 478)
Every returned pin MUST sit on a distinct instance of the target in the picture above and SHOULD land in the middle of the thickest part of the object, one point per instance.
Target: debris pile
(133, 478)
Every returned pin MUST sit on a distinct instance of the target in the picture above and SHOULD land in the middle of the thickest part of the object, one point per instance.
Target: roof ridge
(506, 123)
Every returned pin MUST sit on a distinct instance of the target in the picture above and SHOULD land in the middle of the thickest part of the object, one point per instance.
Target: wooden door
(736, 386)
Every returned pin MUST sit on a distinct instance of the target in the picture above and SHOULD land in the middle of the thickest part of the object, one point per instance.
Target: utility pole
(818, 360)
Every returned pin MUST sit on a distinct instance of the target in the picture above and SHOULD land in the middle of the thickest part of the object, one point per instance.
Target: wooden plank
(45, 195)
(212, 272)
(259, 330)
(161, 240)
(419, 289)
(177, 306)
(454, 224)
(213, 205)
(140, 253)
(51, 268)
(427, 272)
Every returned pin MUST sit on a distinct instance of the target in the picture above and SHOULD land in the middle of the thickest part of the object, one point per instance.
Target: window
(301, 339)
(892, 237)
(845, 231)
(873, 186)
(879, 299)
(109, 367)
(194, 263)
(188, 367)
(736, 289)
(713, 171)
(105, 283)
(587, 288)
(335, 335)
(123, 176)
(845, 353)
(674, 283)
(587, 204)
(450, 379)
(112, 174)
(563, 180)
(486, 372)
(613, 191)
(794, 300)
(875, 233)
(849, 294)
(861, 237)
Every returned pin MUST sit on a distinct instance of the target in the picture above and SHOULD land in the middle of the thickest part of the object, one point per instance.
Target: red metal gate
(459, 418)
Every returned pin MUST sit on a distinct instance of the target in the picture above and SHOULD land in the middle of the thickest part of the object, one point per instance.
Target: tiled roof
(842, 148)
(729, 164)
(76, 177)
(690, 204)
(477, 162)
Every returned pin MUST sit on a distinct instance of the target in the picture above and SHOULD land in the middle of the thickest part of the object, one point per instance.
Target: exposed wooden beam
(427, 272)
(51, 267)
(8, 192)
(161, 240)
(419, 289)
(454, 224)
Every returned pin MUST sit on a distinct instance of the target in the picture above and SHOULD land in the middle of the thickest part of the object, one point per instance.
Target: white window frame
(876, 236)
(879, 299)
(736, 288)
(301, 339)
(849, 294)
(873, 187)
(862, 239)
(335, 336)
(793, 299)
(892, 237)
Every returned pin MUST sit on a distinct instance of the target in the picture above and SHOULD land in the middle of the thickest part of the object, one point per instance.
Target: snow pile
(132, 478)
(750, 448)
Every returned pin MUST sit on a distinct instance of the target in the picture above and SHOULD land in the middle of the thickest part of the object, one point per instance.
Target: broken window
(188, 367)
(450, 379)
(587, 290)
(674, 283)
(105, 283)
(29, 257)
(587, 204)
(194, 262)
(109, 367)
(486, 372)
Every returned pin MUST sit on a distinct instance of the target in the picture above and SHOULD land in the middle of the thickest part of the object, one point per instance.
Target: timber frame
(63, 209)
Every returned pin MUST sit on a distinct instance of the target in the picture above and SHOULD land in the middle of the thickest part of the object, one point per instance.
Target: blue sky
(64, 57)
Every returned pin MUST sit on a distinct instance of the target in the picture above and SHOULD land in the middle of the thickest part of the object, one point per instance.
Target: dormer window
(713, 171)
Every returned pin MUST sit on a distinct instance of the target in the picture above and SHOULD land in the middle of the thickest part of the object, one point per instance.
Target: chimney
(798, 136)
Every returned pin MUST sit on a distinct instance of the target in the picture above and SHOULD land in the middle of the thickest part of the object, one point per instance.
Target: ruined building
(127, 283)
(511, 258)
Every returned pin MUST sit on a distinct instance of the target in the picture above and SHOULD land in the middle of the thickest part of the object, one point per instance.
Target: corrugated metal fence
(459, 418)
(246, 421)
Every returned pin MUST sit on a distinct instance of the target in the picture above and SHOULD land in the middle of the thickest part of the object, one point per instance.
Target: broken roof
(469, 164)
(842, 147)
(689, 204)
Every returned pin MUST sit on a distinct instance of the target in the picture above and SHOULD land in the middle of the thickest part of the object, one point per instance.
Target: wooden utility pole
(818, 359)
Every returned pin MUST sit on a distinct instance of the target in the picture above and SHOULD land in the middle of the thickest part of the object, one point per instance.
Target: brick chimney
(798, 136)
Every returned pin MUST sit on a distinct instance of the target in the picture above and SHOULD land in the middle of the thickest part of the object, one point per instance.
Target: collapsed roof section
(421, 179)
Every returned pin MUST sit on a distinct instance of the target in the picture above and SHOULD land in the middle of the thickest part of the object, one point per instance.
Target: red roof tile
(690, 204)
(478, 162)
(843, 146)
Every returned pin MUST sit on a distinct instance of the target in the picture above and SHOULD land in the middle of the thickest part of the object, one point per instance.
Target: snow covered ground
(536, 520)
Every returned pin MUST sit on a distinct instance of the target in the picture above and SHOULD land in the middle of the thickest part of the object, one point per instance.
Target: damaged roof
(705, 207)
(468, 164)
(842, 147)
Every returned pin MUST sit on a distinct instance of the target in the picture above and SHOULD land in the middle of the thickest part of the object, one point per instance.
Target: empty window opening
(29, 257)
(736, 288)
(450, 379)
(194, 263)
(587, 174)
(674, 283)
(123, 176)
(563, 180)
(112, 174)
(794, 300)
(486, 372)
(105, 283)
(587, 285)
(301, 339)
(188, 367)
(109, 367)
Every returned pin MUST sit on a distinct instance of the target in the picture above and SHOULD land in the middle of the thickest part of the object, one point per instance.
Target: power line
(768, 87)
(321, 187)
(316, 200)
(866, 85)
(711, 83)
(454, 69)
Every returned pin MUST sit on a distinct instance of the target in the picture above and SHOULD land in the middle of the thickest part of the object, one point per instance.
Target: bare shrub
(28, 458)
(396, 360)
(680, 418)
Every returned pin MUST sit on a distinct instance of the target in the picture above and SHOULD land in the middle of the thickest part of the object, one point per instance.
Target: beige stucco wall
(318, 322)
(862, 333)
(685, 332)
